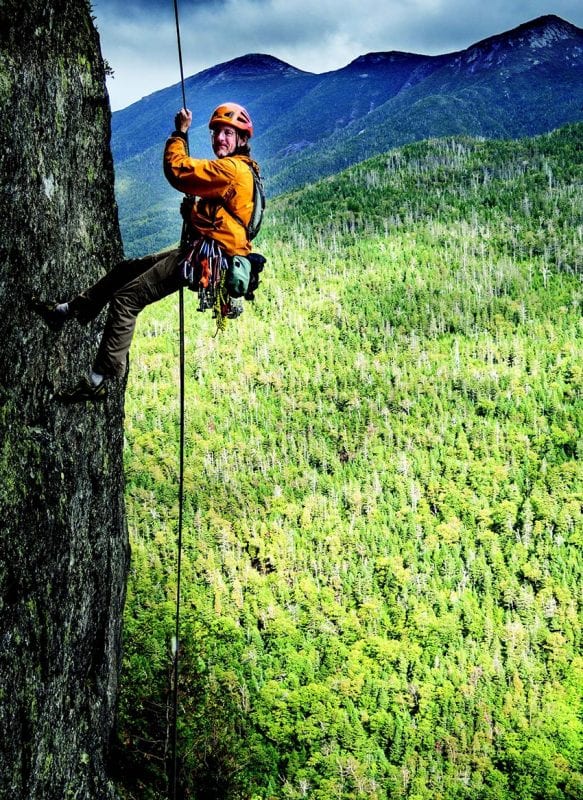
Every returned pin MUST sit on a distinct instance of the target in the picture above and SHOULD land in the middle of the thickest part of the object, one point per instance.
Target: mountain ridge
(546, 21)
(250, 64)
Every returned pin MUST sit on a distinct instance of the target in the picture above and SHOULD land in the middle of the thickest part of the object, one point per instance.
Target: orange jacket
(214, 182)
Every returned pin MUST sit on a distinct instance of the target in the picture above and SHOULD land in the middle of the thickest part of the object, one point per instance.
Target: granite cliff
(63, 542)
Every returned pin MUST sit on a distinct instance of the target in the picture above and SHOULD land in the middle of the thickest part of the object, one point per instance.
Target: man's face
(225, 140)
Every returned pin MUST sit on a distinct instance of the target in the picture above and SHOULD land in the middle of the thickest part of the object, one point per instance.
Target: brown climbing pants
(128, 288)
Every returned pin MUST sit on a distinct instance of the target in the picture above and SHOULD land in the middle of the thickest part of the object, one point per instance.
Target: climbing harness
(205, 261)
(207, 270)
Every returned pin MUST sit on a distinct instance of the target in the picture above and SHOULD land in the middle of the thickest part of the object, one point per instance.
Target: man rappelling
(222, 214)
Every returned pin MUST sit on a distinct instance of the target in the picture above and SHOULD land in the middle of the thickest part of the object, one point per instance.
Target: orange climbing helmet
(234, 115)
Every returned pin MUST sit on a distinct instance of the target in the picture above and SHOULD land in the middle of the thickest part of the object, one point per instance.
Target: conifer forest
(381, 571)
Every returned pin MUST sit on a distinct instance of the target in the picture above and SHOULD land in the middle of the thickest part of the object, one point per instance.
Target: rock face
(63, 539)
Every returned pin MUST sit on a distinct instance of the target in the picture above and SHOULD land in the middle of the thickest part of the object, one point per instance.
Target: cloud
(139, 36)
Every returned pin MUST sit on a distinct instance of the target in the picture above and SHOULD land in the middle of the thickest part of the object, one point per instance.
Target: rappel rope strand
(173, 785)
(176, 642)
(179, 53)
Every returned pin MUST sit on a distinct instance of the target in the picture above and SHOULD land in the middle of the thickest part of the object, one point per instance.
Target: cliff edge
(63, 541)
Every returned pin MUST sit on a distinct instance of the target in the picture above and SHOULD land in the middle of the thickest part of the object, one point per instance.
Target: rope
(176, 642)
(179, 53)
(173, 784)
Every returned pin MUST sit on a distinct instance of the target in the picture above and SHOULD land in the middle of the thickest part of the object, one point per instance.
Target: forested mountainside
(519, 83)
(384, 493)
(63, 544)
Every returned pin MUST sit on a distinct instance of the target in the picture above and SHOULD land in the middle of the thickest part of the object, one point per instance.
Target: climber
(217, 214)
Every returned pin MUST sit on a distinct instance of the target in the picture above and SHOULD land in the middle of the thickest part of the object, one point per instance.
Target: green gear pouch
(238, 276)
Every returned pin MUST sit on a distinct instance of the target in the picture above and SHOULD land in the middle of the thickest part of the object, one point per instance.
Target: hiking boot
(83, 391)
(48, 311)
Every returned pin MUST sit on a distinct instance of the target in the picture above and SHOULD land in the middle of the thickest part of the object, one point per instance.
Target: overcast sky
(138, 37)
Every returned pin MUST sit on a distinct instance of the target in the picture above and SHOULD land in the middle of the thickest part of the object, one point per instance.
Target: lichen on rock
(63, 544)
